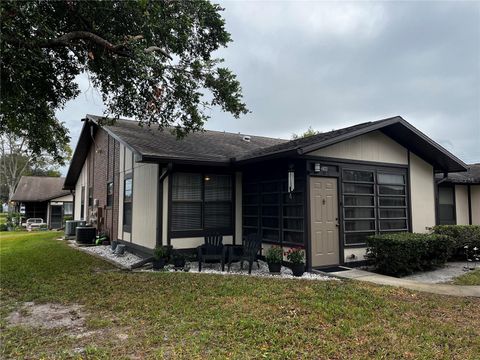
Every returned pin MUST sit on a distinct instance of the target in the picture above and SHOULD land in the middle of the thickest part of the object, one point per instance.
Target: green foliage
(309, 132)
(403, 253)
(469, 278)
(3, 227)
(161, 252)
(14, 220)
(462, 235)
(152, 60)
(274, 255)
(296, 255)
(67, 218)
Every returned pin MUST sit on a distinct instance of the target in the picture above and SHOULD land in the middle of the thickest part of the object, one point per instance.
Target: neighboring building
(43, 197)
(459, 197)
(326, 192)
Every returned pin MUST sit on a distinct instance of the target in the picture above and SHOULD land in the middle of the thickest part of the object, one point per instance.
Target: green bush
(461, 235)
(3, 227)
(403, 253)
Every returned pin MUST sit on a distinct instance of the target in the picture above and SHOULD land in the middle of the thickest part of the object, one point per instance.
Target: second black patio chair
(212, 249)
(251, 246)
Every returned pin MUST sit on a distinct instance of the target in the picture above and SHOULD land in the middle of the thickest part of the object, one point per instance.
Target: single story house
(325, 193)
(459, 197)
(43, 197)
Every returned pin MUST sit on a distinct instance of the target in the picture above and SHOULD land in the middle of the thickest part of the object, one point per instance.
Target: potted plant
(160, 257)
(178, 260)
(274, 259)
(296, 256)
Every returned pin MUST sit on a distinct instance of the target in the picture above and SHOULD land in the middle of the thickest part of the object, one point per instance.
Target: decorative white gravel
(129, 259)
(126, 260)
(215, 268)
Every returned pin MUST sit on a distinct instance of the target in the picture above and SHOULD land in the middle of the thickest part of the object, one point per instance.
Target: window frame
(453, 221)
(82, 203)
(178, 233)
(109, 197)
(376, 196)
(127, 227)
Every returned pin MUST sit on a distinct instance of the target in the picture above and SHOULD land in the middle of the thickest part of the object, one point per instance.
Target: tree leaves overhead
(151, 60)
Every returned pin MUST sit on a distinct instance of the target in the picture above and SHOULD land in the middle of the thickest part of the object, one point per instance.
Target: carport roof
(39, 188)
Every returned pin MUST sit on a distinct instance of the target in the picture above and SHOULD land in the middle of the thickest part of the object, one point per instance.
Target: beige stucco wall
(188, 243)
(358, 252)
(144, 208)
(461, 204)
(374, 146)
(422, 192)
(81, 181)
(66, 198)
(475, 201)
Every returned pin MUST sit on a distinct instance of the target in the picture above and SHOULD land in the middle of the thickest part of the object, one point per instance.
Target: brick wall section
(104, 159)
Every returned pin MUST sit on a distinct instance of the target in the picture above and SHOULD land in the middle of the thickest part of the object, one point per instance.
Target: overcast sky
(334, 64)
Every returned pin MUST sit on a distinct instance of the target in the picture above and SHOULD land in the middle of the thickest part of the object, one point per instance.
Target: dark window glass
(68, 208)
(373, 201)
(250, 221)
(446, 205)
(270, 222)
(250, 210)
(356, 238)
(90, 196)
(270, 210)
(359, 225)
(201, 202)
(110, 194)
(392, 201)
(393, 224)
(393, 213)
(294, 237)
(186, 216)
(358, 176)
(218, 215)
(271, 235)
(355, 213)
(391, 179)
(359, 200)
(82, 203)
(350, 188)
(293, 224)
(127, 203)
(391, 190)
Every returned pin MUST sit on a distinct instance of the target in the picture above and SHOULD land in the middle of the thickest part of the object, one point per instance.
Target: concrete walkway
(442, 289)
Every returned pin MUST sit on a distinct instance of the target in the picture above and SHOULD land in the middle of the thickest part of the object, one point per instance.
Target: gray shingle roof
(471, 176)
(211, 146)
(39, 188)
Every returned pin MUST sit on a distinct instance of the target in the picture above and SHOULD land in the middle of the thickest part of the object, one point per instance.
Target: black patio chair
(212, 249)
(251, 245)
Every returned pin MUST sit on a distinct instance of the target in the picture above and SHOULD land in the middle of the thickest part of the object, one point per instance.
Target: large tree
(17, 160)
(152, 60)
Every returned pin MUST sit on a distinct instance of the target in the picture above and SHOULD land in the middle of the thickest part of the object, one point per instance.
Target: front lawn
(183, 315)
(470, 278)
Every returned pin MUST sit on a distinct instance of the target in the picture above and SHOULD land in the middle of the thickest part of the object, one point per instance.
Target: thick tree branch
(67, 39)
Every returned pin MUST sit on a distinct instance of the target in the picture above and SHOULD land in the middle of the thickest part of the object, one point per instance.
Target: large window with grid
(127, 202)
(201, 202)
(374, 201)
(274, 213)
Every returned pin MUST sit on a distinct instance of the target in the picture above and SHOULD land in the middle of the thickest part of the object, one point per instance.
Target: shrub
(296, 255)
(274, 255)
(3, 227)
(161, 252)
(403, 253)
(461, 235)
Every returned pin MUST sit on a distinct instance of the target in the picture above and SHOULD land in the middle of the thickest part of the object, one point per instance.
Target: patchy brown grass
(183, 315)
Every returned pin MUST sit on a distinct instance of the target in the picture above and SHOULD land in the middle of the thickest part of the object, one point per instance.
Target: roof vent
(246, 138)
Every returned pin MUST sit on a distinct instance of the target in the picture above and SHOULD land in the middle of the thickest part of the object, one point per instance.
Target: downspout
(73, 195)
